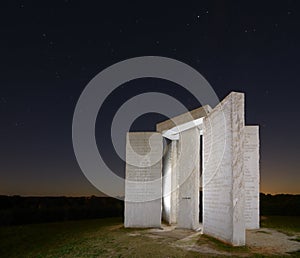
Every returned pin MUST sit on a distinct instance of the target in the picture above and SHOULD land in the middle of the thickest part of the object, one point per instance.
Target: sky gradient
(50, 50)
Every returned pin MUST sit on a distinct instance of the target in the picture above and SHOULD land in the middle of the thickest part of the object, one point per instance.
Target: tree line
(15, 210)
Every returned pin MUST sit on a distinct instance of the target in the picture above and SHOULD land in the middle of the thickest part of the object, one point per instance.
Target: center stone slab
(181, 169)
(143, 184)
(188, 163)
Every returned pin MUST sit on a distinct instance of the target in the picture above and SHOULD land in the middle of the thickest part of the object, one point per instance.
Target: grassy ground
(108, 238)
(289, 225)
(285, 224)
(91, 238)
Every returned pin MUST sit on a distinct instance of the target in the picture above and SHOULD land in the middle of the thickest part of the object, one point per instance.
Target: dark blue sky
(50, 50)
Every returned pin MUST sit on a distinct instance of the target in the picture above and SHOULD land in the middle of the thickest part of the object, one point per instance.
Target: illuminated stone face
(143, 185)
(229, 154)
(223, 173)
(251, 175)
(188, 164)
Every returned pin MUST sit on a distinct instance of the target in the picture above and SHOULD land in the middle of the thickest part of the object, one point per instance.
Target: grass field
(286, 224)
(105, 237)
(90, 238)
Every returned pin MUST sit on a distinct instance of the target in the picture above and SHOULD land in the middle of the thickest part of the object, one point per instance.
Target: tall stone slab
(143, 185)
(174, 178)
(188, 163)
(170, 184)
(223, 176)
(251, 174)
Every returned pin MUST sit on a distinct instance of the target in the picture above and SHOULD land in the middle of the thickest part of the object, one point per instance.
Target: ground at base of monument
(263, 241)
(108, 238)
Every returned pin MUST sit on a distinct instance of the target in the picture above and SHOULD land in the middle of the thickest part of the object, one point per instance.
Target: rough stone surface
(230, 173)
(170, 183)
(175, 189)
(143, 186)
(223, 180)
(188, 179)
(183, 118)
(167, 184)
(251, 174)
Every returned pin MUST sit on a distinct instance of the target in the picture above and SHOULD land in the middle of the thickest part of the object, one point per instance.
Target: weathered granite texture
(183, 118)
(230, 173)
(223, 175)
(188, 163)
(143, 185)
(251, 175)
(170, 184)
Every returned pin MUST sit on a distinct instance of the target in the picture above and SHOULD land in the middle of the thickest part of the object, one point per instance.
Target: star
(18, 124)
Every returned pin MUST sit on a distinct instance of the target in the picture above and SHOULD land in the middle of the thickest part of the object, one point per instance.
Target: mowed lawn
(100, 238)
(89, 238)
(286, 224)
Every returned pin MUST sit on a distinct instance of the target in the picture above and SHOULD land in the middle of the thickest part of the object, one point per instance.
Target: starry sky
(50, 50)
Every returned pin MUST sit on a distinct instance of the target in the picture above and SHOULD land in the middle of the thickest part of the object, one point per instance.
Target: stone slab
(167, 184)
(183, 118)
(175, 190)
(143, 184)
(188, 163)
(170, 183)
(251, 174)
(223, 176)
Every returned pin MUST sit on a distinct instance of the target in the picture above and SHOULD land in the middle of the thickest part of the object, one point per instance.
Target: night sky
(50, 50)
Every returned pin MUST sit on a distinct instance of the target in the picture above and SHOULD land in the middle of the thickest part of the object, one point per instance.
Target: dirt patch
(262, 241)
(270, 241)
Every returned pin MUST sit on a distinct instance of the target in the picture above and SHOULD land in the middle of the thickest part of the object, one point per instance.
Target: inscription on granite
(143, 185)
(251, 174)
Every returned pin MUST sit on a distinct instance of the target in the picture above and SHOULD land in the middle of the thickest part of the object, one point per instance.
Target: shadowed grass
(108, 238)
(285, 224)
(263, 232)
(221, 246)
(39, 239)
(90, 238)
